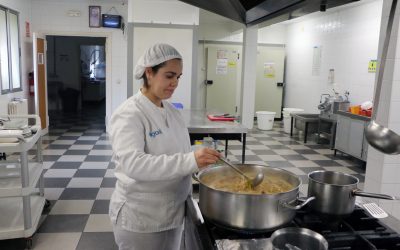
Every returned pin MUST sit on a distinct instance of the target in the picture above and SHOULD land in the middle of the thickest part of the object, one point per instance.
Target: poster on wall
(372, 66)
(316, 64)
(222, 67)
(269, 70)
(222, 54)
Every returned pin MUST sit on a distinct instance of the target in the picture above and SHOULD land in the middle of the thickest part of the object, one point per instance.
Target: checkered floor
(79, 177)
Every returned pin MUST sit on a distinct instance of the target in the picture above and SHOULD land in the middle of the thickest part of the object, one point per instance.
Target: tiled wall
(383, 171)
(51, 17)
(348, 37)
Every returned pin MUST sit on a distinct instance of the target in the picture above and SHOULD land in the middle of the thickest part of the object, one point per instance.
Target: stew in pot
(232, 182)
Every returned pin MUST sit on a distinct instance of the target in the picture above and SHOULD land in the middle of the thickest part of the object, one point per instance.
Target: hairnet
(156, 54)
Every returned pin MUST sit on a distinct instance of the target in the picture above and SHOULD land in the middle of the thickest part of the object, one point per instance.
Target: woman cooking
(153, 158)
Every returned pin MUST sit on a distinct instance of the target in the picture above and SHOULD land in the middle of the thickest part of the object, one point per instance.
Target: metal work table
(200, 126)
(306, 119)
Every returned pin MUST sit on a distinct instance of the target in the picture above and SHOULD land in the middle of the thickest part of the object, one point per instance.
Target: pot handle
(304, 200)
(358, 192)
(195, 176)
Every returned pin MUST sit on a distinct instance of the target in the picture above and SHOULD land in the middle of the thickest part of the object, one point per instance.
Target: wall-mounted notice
(222, 54)
(316, 64)
(372, 66)
(222, 66)
(269, 70)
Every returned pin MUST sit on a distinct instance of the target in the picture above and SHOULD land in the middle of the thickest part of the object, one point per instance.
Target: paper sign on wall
(222, 67)
(316, 64)
(222, 54)
(372, 66)
(269, 70)
(232, 64)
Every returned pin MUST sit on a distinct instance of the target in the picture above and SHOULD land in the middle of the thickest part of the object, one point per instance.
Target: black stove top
(359, 231)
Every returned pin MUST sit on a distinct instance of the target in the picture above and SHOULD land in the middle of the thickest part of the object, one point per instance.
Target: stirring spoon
(253, 182)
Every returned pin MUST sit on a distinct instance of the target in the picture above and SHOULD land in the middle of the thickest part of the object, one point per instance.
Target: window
(10, 71)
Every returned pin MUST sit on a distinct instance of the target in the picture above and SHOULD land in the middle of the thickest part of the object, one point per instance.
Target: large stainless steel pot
(335, 192)
(249, 211)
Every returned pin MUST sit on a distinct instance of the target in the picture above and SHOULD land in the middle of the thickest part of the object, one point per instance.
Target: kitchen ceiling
(267, 12)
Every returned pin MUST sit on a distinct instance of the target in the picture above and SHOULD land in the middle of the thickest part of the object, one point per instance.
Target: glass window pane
(4, 77)
(14, 42)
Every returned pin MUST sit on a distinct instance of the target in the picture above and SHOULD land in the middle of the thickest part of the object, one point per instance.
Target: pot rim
(337, 173)
(258, 195)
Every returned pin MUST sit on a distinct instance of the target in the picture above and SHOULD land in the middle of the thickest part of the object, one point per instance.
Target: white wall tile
(371, 185)
(346, 48)
(390, 174)
(374, 170)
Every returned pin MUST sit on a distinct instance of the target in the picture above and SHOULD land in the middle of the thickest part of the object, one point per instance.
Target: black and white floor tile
(79, 177)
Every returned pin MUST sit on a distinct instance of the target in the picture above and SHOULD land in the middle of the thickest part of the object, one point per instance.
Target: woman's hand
(206, 156)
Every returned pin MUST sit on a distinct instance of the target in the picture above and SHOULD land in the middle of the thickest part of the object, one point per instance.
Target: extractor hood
(250, 12)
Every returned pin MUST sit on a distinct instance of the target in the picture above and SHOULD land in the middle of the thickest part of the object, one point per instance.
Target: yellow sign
(372, 66)
(232, 64)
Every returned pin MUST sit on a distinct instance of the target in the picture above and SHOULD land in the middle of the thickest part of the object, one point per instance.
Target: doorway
(76, 67)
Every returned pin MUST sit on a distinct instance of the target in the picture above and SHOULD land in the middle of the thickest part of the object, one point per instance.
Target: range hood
(250, 12)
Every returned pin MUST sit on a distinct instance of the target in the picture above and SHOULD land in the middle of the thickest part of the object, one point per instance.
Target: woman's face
(163, 83)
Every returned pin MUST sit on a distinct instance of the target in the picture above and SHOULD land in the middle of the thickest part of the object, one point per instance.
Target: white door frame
(108, 46)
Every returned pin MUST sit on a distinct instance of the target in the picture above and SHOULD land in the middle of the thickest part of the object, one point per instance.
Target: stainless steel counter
(200, 126)
(354, 116)
(197, 122)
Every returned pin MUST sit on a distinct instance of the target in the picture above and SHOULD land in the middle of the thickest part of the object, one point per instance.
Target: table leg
(243, 147)
(333, 137)
(291, 126)
(305, 132)
(226, 148)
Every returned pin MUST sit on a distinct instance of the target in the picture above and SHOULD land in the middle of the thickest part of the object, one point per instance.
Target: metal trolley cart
(21, 179)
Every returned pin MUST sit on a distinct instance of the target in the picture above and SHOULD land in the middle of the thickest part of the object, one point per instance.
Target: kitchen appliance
(358, 231)
(249, 211)
(329, 105)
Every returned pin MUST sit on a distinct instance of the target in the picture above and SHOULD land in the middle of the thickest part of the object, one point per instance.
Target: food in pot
(232, 182)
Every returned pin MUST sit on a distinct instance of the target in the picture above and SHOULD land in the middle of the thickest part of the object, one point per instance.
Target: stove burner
(358, 231)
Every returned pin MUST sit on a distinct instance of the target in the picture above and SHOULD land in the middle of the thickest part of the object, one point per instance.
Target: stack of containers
(287, 119)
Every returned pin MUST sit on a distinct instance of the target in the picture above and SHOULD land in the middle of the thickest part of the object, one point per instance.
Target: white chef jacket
(154, 163)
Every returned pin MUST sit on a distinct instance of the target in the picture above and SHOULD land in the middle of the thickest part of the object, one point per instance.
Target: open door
(39, 64)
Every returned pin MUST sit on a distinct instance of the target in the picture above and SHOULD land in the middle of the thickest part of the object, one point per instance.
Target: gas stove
(359, 231)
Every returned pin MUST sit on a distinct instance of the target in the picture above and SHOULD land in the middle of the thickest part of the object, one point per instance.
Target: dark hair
(154, 69)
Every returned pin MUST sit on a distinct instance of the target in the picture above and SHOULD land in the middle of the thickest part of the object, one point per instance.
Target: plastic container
(287, 118)
(265, 120)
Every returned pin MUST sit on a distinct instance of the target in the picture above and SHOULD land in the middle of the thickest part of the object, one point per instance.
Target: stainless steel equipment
(249, 211)
(294, 238)
(332, 104)
(267, 12)
(335, 192)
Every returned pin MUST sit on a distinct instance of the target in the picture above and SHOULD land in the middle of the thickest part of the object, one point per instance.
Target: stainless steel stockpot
(250, 211)
(335, 193)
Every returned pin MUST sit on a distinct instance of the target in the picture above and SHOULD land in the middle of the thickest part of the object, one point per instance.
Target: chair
(177, 105)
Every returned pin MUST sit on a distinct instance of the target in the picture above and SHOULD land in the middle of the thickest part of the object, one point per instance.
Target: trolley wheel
(28, 243)
(47, 204)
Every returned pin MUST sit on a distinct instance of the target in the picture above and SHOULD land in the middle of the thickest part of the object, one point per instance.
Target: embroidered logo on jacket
(153, 134)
